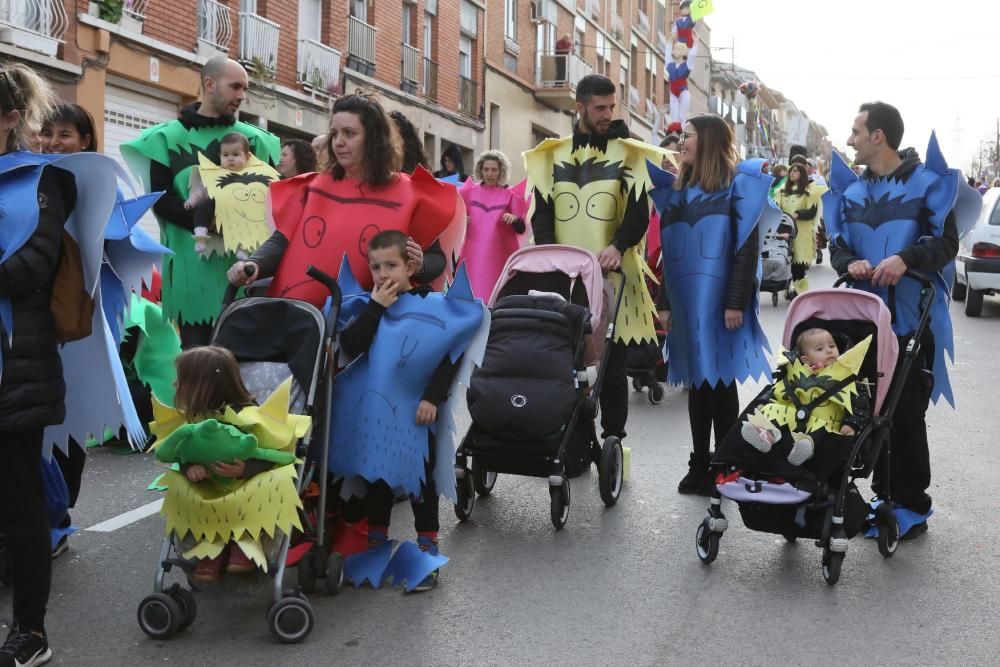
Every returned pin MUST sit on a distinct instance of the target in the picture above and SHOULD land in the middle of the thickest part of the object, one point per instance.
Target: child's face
(819, 350)
(389, 266)
(232, 157)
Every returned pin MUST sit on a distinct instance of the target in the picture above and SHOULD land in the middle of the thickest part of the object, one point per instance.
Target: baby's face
(232, 157)
(819, 350)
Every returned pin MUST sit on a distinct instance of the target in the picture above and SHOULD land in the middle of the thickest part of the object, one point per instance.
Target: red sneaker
(238, 561)
(209, 569)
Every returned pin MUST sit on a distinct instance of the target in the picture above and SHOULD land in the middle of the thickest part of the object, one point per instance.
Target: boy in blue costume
(409, 342)
(900, 215)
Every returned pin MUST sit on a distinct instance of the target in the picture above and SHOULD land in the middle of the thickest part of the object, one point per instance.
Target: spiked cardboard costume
(216, 511)
(590, 190)
(324, 219)
(880, 217)
(489, 241)
(700, 233)
(192, 287)
(239, 196)
(804, 244)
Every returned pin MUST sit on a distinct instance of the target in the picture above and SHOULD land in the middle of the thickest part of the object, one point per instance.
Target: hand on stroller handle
(922, 278)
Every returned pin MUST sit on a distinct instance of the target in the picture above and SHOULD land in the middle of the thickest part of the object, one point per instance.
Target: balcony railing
(430, 79)
(319, 65)
(214, 25)
(467, 99)
(43, 17)
(559, 70)
(411, 65)
(135, 8)
(258, 41)
(360, 43)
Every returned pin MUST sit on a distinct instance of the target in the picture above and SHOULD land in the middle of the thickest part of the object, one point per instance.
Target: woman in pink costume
(496, 221)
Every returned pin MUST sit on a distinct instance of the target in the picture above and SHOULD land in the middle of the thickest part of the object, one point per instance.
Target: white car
(978, 268)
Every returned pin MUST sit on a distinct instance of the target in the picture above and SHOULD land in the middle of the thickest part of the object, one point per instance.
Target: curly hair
(413, 150)
(383, 156)
(24, 90)
(496, 156)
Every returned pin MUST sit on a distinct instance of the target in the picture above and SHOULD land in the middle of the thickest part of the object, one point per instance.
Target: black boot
(694, 481)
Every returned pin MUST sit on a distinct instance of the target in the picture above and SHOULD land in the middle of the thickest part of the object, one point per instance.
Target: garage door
(126, 114)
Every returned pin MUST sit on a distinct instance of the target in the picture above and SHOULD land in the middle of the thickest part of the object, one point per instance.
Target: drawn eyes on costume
(241, 194)
(566, 206)
(602, 206)
(258, 196)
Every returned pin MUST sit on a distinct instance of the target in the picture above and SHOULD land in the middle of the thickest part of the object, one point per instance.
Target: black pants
(909, 463)
(195, 335)
(71, 466)
(711, 407)
(379, 501)
(799, 271)
(614, 393)
(25, 525)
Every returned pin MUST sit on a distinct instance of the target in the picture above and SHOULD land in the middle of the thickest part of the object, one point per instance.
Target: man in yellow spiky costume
(590, 191)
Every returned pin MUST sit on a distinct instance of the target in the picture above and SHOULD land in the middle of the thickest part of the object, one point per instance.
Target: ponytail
(21, 88)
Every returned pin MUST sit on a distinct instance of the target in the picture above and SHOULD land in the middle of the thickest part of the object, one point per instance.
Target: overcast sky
(830, 56)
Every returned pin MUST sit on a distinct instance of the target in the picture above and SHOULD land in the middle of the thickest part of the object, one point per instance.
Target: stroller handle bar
(922, 278)
(320, 276)
(231, 289)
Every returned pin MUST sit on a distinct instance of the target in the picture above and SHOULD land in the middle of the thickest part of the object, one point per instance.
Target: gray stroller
(776, 259)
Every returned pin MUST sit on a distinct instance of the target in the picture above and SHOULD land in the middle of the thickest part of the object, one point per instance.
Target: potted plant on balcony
(107, 10)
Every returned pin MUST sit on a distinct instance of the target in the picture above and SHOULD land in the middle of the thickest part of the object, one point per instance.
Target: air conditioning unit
(538, 11)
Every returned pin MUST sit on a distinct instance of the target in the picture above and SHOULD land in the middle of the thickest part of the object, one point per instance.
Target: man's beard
(591, 129)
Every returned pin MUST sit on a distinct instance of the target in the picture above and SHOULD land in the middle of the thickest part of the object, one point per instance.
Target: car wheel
(958, 290)
(974, 302)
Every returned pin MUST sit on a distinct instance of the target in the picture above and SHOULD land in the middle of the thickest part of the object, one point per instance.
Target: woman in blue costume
(709, 231)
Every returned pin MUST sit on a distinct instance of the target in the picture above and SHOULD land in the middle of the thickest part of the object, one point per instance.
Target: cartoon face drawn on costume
(245, 194)
(313, 231)
(590, 191)
(367, 234)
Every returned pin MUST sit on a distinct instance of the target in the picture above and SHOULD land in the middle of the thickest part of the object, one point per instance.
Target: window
(469, 19)
(310, 19)
(510, 19)
(359, 10)
(650, 68)
(428, 36)
(634, 56)
(465, 57)
(661, 16)
(494, 126)
(408, 24)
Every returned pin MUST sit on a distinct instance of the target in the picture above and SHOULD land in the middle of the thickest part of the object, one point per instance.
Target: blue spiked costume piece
(699, 240)
(880, 217)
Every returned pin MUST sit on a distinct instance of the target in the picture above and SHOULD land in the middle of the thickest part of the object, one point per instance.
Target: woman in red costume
(319, 218)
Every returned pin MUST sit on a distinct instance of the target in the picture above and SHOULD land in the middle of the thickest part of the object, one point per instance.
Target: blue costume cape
(700, 233)
(375, 434)
(877, 218)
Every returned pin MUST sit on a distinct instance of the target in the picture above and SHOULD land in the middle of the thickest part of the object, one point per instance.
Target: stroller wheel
(159, 616)
(656, 392)
(466, 496)
(611, 470)
(774, 299)
(559, 497)
(290, 620)
(334, 580)
(482, 479)
(888, 530)
(706, 543)
(187, 604)
(308, 572)
(636, 384)
(831, 566)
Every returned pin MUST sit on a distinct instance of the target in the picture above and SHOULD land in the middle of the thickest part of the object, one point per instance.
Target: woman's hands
(509, 218)
(734, 319)
(239, 275)
(415, 253)
(426, 413)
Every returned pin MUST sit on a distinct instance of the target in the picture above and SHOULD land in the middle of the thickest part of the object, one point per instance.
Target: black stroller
(271, 339)
(824, 506)
(531, 404)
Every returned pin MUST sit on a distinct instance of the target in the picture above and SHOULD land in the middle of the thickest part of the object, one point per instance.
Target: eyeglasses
(688, 135)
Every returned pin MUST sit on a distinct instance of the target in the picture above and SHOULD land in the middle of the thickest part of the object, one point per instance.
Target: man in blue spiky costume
(901, 215)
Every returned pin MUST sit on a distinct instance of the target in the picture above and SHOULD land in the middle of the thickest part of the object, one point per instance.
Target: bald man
(162, 158)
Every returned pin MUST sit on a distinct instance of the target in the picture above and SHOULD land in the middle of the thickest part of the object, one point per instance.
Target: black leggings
(195, 335)
(709, 407)
(799, 271)
(25, 525)
(379, 501)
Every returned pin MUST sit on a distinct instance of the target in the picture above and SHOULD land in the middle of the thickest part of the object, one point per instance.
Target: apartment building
(134, 63)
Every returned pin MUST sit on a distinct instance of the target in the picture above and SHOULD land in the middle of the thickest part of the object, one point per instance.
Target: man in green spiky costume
(162, 158)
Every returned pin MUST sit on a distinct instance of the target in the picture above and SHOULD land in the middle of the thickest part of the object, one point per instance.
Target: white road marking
(127, 518)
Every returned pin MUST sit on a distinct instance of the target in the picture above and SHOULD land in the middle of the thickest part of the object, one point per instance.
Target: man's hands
(237, 273)
(427, 413)
(888, 272)
(610, 258)
(386, 294)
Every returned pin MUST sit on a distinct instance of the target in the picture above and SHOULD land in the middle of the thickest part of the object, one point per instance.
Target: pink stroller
(531, 403)
(822, 505)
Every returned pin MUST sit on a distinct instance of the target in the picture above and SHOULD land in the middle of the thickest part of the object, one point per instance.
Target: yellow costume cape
(239, 202)
(808, 385)
(249, 509)
(589, 210)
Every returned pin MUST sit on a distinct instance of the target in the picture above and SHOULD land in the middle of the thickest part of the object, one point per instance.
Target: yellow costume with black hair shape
(588, 216)
(808, 385)
(245, 510)
(240, 214)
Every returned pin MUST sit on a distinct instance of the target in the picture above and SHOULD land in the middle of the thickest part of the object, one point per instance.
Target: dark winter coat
(32, 389)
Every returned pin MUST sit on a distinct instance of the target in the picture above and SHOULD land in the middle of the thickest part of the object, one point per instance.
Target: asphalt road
(617, 586)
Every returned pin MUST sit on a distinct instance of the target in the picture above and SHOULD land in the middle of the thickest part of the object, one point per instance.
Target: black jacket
(635, 222)
(455, 154)
(930, 256)
(32, 389)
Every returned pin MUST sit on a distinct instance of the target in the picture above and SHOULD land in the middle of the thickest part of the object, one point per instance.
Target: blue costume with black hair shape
(700, 234)
(876, 218)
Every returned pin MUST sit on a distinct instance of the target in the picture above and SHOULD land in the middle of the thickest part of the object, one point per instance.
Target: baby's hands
(196, 473)
(234, 470)
(386, 294)
(847, 430)
(426, 413)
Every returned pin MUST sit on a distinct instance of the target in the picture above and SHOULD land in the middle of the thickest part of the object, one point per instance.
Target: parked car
(978, 269)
